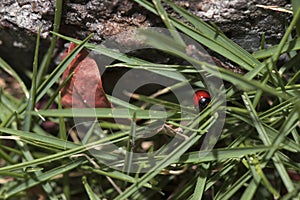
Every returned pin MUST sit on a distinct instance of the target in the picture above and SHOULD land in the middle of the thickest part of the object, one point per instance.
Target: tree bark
(241, 20)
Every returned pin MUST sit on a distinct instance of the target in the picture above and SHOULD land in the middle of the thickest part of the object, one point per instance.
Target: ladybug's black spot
(203, 102)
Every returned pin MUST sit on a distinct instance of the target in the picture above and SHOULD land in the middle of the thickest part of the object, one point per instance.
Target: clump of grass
(255, 156)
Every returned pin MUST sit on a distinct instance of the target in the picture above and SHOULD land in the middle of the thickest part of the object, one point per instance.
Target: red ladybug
(201, 99)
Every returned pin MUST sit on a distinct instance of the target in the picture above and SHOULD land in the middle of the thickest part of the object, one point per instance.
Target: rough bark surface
(241, 20)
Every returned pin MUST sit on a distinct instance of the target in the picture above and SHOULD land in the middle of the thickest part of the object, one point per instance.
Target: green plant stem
(46, 62)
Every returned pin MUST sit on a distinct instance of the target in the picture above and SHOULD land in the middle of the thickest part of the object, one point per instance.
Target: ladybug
(201, 99)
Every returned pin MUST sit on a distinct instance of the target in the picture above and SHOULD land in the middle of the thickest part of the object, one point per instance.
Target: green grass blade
(104, 113)
(286, 35)
(220, 154)
(114, 174)
(245, 84)
(267, 141)
(62, 126)
(232, 50)
(42, 178)
(256, 121)
(165, 18)
(88, 189)
(45, 141)
(201, 180)
(234, 188)
(250, 190)
(130, 145)
(125, 58)
(67, 153)
(28, 117)
(57, 91)
(163, 163)
(119, 102)
(289, 46)
(106, 51)
(32, 95)
(209, 36)
(296, 7)
(47, 59)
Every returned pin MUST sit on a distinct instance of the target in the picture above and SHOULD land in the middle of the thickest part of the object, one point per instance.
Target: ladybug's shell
(201, 96)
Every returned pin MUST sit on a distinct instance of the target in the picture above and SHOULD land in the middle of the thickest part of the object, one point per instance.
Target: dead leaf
(84, 89)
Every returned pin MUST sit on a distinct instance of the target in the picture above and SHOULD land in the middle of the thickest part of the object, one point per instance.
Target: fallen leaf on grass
(84, 90)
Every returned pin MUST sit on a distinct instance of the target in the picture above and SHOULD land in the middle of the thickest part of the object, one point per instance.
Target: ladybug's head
(201, 99)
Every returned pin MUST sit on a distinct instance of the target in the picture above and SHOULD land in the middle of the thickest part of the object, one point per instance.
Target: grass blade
(5, 66)
(104, 113)
(164, 16)
(47, 59)
(42, 178)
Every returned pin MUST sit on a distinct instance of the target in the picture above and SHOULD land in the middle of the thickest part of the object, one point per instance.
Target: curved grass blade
(7, 68)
